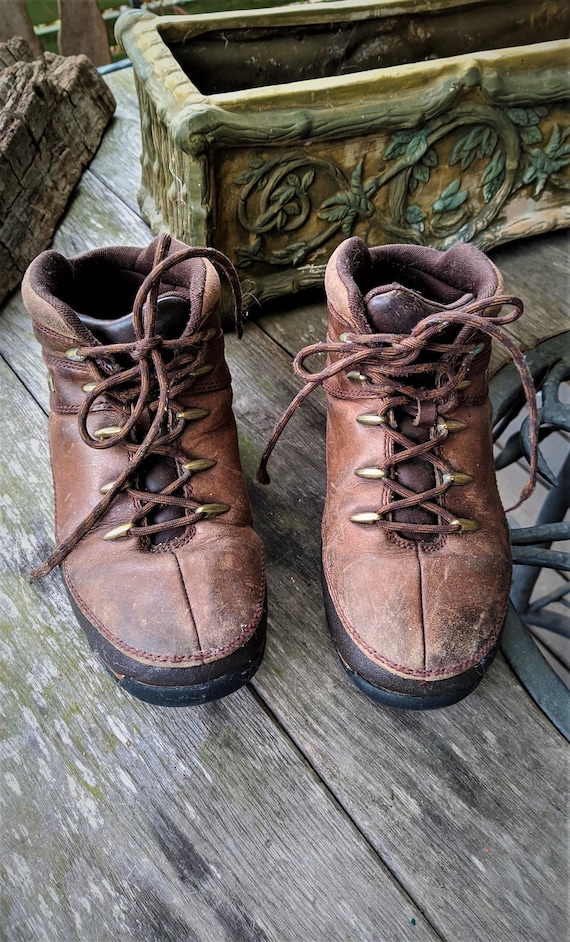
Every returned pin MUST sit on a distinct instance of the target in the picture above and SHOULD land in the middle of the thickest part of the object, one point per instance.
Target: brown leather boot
(164, 571)
(416, 556)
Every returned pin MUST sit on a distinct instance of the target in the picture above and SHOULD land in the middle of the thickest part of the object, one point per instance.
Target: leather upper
(422, 607)
(200, 595)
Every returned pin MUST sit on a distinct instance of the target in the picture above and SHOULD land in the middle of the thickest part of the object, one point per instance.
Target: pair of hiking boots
(153, 522)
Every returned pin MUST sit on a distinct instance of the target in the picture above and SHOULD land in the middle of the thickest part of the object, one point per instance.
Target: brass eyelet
(464, 384)
(199, 464)
(107, 432)
(450, 425)
(456, 477)
(371, 418)
(190, 415)
(212, 510)
(117, 532)
(372, 474)
(72, 354)
(367, 516)
(465, 524)
(202, 370)
(355, 376)
(105, 488)
(89, 387)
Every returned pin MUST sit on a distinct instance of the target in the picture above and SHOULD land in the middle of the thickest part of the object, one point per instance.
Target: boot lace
(393, 366)
(162, 371)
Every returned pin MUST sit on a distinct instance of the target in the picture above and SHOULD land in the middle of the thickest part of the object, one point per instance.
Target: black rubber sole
(415, 694)
(177, 687)
(189, 695)
(405, 701)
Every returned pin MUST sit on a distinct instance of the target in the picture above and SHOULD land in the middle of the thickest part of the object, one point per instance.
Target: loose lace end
(38, 572)
(261, 475)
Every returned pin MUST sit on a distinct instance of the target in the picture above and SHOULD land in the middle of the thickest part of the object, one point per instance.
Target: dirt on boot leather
(161, 563)
(415, 543)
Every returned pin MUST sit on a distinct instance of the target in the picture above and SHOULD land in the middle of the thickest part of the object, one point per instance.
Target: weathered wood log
(53, 112)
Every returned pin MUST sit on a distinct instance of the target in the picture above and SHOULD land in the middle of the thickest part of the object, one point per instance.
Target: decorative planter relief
(459, 147)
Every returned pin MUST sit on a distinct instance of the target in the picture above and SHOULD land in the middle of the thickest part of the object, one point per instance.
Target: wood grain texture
(466, 806)
(122, 820)
(53, 111)
(291, 812)
(118, 162)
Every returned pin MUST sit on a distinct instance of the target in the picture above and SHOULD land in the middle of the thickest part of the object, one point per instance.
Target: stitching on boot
(212, 654)
(452, 670)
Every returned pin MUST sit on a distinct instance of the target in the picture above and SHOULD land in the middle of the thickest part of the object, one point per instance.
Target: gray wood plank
(467, 806)
(118, 158)
(123, 820)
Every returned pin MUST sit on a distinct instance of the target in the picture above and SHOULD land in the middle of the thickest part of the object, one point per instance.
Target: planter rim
(302, 109)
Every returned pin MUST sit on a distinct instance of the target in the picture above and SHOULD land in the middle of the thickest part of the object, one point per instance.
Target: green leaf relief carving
(398, 145)
(413, 144)
(421, 170)
(417, 146)
(527, 117)
(346, 207)
(543, 163)
(479, 142)
(356, 178)
(430, 158)
(531, 135)
(493, 175)
(451, 198)
(332, 213)
(294, 253)
(415, 217)
(244, 178)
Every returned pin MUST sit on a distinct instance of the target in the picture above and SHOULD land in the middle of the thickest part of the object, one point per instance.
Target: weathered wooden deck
(295, 809)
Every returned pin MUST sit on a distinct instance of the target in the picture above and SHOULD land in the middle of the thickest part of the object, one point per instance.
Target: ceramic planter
(275, 134)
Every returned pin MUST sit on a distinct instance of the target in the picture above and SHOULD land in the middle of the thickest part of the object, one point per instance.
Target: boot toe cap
(183, 616)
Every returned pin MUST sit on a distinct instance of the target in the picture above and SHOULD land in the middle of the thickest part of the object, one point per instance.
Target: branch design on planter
(495, 152)
(274, 199)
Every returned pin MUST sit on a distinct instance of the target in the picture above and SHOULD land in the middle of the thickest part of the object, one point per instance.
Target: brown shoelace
(386, 361)
(162, 370)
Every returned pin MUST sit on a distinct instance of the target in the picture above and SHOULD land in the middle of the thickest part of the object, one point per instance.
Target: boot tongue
(395, 309)
(156, 472)
(172, 313)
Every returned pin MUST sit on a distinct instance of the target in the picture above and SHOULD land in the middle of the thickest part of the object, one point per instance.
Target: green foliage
(249, 255)
(415, 217)
(346, 207)
(543, 163)
(294, 253)
(494, 175)
(527, 121)
(248, 176)
(451, 198)
(413, 144)
(479, 142)
(527, 117)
